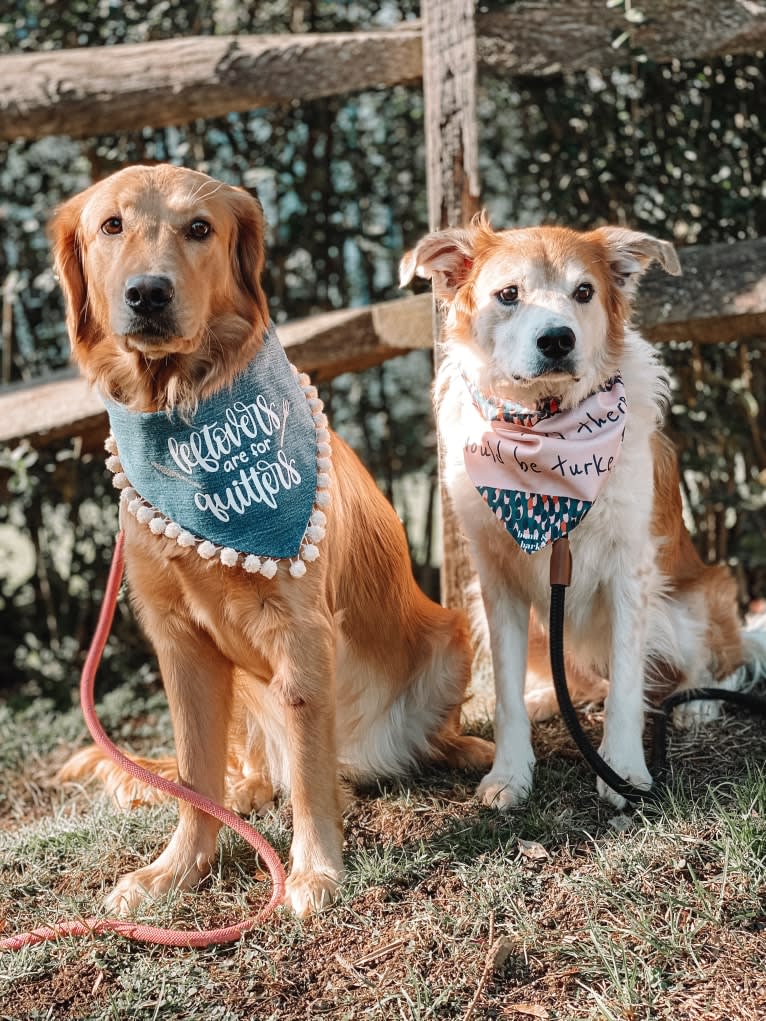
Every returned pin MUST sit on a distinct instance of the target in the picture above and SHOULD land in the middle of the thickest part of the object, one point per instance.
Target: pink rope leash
(132, 930)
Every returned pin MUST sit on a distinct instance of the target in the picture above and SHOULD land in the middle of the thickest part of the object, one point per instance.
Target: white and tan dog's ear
(631, 253)
(444, 257)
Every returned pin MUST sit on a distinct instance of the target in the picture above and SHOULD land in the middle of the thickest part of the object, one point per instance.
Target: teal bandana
(244, 480)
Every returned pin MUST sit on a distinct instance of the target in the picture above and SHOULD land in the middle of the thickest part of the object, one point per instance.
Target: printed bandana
(540, 469)
(242, 475)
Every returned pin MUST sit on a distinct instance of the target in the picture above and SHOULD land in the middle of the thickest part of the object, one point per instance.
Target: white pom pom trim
(318, 518)
(158, 526)
(269, 568)
(186, 539)
(310, 553)
(120, 480)
(229, 557)
(315, 533)
(172, 530)
(252, 564)
(297, 569)
(110, 444)
(113, 463)
(323, 498)
(207, 550)
(323, 480)
(145, 513)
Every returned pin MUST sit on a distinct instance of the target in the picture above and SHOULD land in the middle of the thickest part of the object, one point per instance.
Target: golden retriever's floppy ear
(249, 253)
(64, 232)
(630, 253)
(444, 257)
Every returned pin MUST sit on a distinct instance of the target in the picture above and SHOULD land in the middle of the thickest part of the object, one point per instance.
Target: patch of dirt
(70, 992)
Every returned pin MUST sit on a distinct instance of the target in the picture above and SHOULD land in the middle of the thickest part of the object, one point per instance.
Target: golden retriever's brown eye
(112, 226)
(199, 229)
(583, 293)
(509, 295)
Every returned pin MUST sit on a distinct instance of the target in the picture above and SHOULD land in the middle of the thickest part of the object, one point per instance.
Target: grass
(561, 910)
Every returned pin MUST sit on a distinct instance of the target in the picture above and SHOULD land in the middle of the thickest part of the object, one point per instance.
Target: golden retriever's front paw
(504, 792)
(148, 884)
(309, 892)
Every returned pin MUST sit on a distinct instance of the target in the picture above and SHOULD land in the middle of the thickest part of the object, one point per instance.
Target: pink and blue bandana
(244, 479)
(540, 469)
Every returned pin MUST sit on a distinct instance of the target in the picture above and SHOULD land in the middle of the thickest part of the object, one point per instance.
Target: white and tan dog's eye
(508, 295)
(583, 293)
(112, 226)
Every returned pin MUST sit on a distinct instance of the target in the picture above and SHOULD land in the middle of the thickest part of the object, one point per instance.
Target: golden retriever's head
(161, 270)
(543, 308)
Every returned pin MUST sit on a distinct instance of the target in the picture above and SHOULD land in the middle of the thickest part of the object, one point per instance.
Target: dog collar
(245, 480)
(540, 469)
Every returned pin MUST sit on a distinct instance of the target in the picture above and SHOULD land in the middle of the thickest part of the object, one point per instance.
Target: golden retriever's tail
(127, 792)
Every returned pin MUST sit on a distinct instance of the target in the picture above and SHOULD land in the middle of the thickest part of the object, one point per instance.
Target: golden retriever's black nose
(556, 342)
(147, 293)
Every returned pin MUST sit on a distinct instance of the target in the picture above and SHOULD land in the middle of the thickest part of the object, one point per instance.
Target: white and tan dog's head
(543, 308)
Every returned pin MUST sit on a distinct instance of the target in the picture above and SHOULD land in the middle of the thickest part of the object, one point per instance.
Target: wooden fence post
(452, 158)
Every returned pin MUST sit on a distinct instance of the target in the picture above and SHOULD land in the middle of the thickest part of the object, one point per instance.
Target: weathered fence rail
(102, 89)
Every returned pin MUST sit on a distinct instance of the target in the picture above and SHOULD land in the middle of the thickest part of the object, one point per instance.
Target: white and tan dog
(538, 319)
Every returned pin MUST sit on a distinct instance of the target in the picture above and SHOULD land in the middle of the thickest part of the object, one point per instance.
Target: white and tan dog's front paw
(632, 769)
(505, 789)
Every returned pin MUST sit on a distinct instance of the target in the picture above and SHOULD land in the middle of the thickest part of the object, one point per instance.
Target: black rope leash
(561, 574)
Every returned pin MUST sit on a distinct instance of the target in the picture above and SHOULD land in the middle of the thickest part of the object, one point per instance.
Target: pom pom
(315, 533)
(186, 539)
(110, 444)
(323, 436)
(320, 420)
(297, 569)
(269, 568)
(135, 504)
(145, 514)
(318, 518)
(129, 494)
(315, 404)
(323, 449)
(323, 480)
(157, 525)
(206, 550)
(113, 463)
(310, 552)
(310, 392)
(229, 556)
(304, 380)
(324, 463)
(293, 369)
(172, 530)
(323, 498)
(252, 564)
(120, 480)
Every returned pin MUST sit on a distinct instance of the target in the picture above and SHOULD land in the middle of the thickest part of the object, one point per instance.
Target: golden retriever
(274, 683)
(537, 324)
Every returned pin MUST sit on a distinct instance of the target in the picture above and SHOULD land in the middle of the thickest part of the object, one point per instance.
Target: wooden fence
(722, 295)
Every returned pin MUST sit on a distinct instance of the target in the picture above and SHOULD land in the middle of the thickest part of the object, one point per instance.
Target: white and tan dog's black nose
(556, 343)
